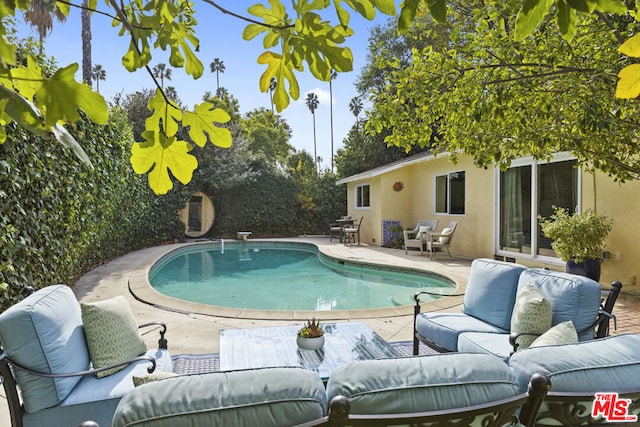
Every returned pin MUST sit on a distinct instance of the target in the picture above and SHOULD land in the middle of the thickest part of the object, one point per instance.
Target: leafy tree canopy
(296, 38)
(496, 95)
(268, 134)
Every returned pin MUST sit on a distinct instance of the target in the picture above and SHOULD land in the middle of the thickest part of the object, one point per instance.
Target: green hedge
(60, 217)
(274, 204)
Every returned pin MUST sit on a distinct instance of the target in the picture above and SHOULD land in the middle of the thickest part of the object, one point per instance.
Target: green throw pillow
(156, 376)
(531, 313)
(562, 333)
(112, 333)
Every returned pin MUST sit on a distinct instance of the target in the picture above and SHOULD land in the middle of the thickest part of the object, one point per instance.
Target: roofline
(418, 158)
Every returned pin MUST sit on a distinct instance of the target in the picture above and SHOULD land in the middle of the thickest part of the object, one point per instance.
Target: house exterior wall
(620, 202)
(476, 233)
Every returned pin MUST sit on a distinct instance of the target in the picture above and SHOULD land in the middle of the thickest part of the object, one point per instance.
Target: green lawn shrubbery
(59, 217)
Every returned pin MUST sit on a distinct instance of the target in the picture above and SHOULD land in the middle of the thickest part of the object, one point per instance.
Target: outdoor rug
(187, 364)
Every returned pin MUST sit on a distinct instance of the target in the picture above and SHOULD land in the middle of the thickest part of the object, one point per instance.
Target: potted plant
(578, 239)
(311, 335)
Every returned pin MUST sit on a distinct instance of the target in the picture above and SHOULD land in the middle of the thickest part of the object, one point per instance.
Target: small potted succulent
(311, 335)
(578, 239)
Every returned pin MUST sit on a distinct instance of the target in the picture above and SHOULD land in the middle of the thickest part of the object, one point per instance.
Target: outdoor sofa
(45, 355)
(488, 323)
(542, 386)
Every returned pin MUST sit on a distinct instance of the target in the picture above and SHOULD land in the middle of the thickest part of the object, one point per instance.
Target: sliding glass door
(527, 190)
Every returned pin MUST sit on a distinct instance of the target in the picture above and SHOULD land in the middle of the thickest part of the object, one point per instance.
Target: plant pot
(310, 343)
(589, 268)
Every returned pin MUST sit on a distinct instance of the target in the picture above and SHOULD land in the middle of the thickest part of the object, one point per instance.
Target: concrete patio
(193, 329)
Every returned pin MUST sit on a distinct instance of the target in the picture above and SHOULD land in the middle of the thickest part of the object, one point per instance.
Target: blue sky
(221, 37)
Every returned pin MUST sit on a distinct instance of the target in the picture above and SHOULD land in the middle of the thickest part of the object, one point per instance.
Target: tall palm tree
(85, 19)
(272, 87)
(334, 74)
(40, 16)
(355, 106)
(98, 73)
(217, 66)
(161, 72)
(312, 103)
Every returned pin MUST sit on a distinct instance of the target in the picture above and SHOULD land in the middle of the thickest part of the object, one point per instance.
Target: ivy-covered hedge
(274, 204)
(59, 217)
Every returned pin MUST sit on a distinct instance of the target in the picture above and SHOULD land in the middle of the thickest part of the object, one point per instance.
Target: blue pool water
(284, 276)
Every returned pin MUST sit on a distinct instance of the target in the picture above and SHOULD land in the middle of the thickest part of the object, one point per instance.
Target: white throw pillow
(422, 230)
(531, 313)
(562, 333)
(445, 239)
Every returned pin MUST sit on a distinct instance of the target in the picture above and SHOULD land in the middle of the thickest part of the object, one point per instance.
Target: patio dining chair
(441, 240)
(417, 237)
(351, 232)
(335, 228)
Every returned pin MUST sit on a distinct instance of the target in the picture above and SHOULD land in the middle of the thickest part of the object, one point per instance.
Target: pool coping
(142, 290)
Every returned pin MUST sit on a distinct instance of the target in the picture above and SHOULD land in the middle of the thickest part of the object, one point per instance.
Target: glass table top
(276, 346)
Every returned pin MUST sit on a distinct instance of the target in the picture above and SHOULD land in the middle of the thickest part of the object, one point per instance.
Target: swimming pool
(285, 276)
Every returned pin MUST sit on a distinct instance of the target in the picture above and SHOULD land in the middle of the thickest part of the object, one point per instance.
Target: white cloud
(323, 97)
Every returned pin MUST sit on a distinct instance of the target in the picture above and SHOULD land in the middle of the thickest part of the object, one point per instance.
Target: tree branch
(609, 24)
(246, 19)
(99, 12)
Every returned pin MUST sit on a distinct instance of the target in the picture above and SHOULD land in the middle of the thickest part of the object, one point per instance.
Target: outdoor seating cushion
(562, 333)
(609, 364)
(112, 333)
(44, 333)
(491, 291)
(531, 314)
(485, 343)
(444, 329)
(257, 397)
(96, 398)
(417, 384)
(488, 305)
(572, 297)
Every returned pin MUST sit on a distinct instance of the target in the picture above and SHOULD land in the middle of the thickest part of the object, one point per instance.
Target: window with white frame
(450, 193)
(363, 199)
(528, 190)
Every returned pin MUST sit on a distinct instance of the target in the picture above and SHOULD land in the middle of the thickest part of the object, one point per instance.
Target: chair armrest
(150, 369)
(513, 337)
(416, 296)
(162, 342)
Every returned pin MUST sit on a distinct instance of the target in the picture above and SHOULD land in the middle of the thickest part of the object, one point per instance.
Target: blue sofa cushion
(416, 384)
(44, 332)
(257, 397)
(117, 385)
(95, 398)
(491, 291)
(485, 343)
(609, 364)
(572, 297)
(444, 328)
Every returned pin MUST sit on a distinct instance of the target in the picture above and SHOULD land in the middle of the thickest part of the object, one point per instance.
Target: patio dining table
(344, 222)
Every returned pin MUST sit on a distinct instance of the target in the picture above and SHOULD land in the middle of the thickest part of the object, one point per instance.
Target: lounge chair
(442, 239)
(49, 375)
(350, 232)
(416, 238)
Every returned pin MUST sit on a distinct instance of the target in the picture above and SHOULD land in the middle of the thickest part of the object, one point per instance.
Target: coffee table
(268, 347)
